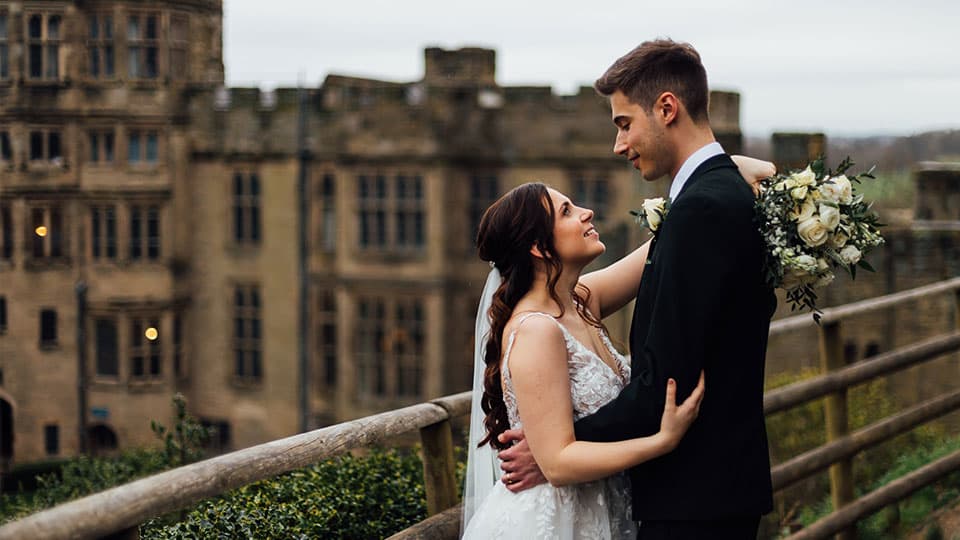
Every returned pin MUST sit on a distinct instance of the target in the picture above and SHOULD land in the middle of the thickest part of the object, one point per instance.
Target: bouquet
(812, 222)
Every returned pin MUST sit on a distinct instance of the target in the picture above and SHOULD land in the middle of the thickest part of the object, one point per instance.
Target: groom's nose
(619, 144)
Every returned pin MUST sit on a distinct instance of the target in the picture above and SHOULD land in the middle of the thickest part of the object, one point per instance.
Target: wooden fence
(119, 511)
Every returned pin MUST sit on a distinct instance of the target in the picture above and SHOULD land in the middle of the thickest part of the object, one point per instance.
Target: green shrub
(85, 475)
(349, 497)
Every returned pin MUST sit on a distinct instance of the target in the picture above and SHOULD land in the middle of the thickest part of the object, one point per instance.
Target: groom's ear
(667, 108)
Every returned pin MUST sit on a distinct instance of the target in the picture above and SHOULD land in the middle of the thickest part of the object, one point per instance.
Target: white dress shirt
(695, 160)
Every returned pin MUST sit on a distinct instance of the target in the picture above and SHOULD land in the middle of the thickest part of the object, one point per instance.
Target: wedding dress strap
(513, 334)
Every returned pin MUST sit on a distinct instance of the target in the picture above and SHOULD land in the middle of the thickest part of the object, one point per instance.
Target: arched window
(102, 438)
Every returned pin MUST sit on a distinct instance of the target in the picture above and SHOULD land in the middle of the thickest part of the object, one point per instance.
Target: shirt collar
(695, 160)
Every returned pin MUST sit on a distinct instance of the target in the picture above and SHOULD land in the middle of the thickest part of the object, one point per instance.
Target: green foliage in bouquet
(813, 221)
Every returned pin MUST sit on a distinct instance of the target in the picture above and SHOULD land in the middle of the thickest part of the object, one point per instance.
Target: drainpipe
(303, 157)
(81, 290)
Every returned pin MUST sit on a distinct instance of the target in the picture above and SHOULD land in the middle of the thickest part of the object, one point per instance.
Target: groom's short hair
(659, 66)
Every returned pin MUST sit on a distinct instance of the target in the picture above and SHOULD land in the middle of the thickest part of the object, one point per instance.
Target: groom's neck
(687, 138)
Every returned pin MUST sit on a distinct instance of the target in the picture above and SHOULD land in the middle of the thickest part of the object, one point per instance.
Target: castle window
(43, 46)
(144, 232)
(179, 32)
(6, 151)
(46, 146)
(142, 40)
(100, 46)
(51, 439)
(46, 234)
(107, 357)
(327, 208)
(6, 233)
(246, 208)
(592, 192)
(390, 348)
(484, 191)
(247, 346)
(103, 232)
(4, 47)
(145, 348)
(48, 328)
(325, 365)
(143, 146)
(391, 213)
(101, 146)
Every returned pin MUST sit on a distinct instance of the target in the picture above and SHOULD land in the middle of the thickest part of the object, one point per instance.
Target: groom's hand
(520, 469)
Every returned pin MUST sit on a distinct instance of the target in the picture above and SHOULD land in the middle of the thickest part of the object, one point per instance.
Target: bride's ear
(535, 251)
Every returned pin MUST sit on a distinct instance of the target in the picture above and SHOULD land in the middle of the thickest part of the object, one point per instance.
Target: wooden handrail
(129, 505)
(834, 314)
(787, 397)
(821, 457)
(876, 500)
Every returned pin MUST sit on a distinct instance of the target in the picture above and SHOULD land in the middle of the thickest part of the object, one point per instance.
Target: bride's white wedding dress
(592, 510)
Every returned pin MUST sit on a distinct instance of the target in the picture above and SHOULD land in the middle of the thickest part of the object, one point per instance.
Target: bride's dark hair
(518, 221)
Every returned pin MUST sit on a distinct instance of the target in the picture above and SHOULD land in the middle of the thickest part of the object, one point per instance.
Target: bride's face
(574, 236)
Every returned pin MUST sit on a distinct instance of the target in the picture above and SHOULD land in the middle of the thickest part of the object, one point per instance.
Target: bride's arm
(612, 287)
(538, 368)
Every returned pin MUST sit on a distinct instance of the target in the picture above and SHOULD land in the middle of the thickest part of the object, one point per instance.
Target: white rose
(845, 189)
(790, 183)
(830, 192)
(805, 177)
(839, 239)
(804, 211)
(806, 262)
(850, 255)
(653, 210)
(799, 193)
(780, 186)
(812, 232)
(829, 216)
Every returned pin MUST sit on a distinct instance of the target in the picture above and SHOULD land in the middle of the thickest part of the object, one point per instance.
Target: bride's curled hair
(518, 221)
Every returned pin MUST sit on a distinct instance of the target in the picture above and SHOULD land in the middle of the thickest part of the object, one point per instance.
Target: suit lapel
(716, 162)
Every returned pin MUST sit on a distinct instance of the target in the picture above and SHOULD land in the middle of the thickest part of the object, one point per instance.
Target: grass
(890, 189)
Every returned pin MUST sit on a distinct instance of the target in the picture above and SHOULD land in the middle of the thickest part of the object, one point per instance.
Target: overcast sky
(846, 67)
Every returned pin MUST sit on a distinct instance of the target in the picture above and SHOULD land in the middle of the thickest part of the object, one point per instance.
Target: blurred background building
(286, 259)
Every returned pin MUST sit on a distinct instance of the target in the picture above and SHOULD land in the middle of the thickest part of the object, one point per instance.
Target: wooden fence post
(835, 413)
(439, 479)
(956, 309)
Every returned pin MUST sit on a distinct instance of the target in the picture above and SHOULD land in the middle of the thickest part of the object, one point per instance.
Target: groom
(702, 305)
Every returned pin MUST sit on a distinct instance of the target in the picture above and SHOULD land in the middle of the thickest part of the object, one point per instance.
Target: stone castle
(285, 259)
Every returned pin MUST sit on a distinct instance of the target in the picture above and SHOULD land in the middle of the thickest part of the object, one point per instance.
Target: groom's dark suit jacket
(702, 304)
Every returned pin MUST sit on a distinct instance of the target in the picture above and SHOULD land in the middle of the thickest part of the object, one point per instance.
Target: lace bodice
(592, 382)
(596, 510)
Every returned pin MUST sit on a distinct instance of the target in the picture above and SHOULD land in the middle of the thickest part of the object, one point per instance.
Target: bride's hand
(676, 419)
(754, 170)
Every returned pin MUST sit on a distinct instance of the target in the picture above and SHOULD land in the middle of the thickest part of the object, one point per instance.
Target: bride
(543, 360)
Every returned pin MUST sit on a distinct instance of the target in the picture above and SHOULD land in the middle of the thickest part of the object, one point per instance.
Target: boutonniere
(652, 213)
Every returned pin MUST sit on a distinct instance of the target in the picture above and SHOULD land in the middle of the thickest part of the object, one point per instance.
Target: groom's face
(640, 138)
